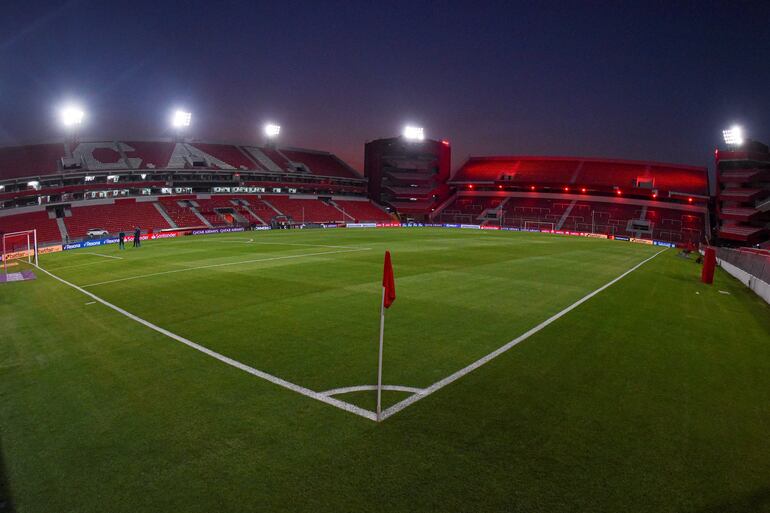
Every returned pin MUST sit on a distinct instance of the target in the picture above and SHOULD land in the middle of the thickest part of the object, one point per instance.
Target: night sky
(650, 82)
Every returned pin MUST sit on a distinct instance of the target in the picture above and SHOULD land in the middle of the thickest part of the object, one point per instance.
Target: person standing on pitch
(122, 240)
(137, 233)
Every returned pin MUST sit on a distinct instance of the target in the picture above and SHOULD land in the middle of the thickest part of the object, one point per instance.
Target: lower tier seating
(612, 218)
(47, 229)
(122, 215)
(306, 210)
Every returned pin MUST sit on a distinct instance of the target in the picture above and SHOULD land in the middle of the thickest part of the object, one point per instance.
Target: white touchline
(225, 264)
(365, 388)
(494, 354)
(103, 256)
(222, 358)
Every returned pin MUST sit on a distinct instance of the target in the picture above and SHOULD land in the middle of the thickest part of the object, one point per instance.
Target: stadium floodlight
(414, 133)
(71, 115)
(181, 119)
(733, 135)
(272, 130)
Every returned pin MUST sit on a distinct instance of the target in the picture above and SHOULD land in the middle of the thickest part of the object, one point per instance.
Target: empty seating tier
(123, 215)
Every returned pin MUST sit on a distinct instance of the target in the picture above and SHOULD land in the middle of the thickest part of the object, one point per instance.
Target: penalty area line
(494, 354)
(351, 408)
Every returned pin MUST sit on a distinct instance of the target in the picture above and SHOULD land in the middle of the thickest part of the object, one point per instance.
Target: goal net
(19, 246)
(538, 225)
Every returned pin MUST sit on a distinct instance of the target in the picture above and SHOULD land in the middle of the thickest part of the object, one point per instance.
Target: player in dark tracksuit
(137, 233)
(122, 240)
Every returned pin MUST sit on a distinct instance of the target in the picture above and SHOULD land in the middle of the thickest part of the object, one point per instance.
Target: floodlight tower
(180, 121)
(733, 136)
(413, 133)
(71, 117)
(271, 132)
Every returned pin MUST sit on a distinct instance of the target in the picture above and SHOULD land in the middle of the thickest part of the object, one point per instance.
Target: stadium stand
(611, 216)
(322, 164)
(304, 210)
(30, 161)
(363, 211)
(227, 153)
(598, 174)
(180, 213)
(123, 214)
(98, 184)
(47, 228)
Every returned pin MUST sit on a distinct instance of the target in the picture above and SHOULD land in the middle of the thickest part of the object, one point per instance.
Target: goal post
(538, 225)
(20, 245)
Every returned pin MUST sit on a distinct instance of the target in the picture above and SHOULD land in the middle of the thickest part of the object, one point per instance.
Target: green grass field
(653, 395)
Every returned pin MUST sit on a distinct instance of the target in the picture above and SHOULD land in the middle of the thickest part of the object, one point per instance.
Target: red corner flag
(388, 283)
(388, 296)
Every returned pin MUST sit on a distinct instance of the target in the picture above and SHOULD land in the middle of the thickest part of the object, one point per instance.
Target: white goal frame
(549, 226)
(30, 252)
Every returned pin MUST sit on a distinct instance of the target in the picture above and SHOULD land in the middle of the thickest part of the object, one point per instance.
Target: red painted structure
(743, 194)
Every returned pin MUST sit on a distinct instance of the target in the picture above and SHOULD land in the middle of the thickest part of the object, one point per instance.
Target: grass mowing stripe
(222, 358)
(494, 354)
(223, 265)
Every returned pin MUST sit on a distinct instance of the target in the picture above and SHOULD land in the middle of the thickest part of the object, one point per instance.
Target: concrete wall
(761, 288)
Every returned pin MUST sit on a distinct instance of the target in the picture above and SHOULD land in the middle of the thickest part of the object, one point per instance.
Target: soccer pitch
(233, 373)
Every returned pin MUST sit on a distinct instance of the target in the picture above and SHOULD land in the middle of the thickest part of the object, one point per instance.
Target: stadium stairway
(201, 217)
(344, 214)
(165, 215)
(62, 229)
(566, 214)
(247, 208)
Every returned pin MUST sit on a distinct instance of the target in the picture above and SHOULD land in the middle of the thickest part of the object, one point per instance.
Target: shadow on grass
(750, 503)
(6, 504)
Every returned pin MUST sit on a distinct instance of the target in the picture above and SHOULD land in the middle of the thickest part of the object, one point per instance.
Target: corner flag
(388, 283)
(388, 296)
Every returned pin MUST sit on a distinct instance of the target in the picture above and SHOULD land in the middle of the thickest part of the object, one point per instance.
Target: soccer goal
(538, 225)
(19, 245)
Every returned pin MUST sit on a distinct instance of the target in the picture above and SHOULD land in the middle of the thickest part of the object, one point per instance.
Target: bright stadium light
(414, 133)
(181, 119)
(71, 115)
(272, 130)
(733, 136)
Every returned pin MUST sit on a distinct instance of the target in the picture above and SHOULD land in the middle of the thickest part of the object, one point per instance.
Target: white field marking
(104, 256)
(363, 388)
(222, 358)
(211, 266)
(252, 241)
(91, 303)
(497, 352)
(90, 262)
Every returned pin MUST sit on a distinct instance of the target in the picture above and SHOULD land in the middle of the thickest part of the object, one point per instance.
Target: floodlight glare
(71, 115)
(733, 136)
(414, 133)
(272, 130)
(181, 119)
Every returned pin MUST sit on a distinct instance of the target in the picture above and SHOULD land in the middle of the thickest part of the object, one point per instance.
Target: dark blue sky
(644, 81)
